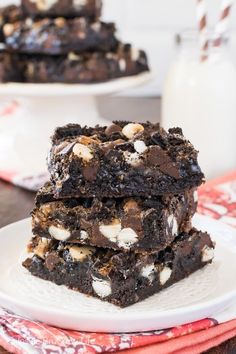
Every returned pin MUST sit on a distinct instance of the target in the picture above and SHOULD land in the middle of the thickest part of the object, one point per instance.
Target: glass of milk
(200, 97)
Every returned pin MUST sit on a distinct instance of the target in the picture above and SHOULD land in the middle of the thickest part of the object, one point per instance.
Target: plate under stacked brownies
(114, 221)
(63, 41)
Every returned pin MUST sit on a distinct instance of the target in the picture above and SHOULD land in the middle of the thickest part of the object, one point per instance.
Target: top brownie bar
(65, 8)
(123, 159)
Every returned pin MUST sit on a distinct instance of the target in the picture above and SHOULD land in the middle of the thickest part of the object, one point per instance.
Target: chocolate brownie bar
(85, 68)
(118, 277)
(60, 36)
(65, 8)
(121, 160)
(122, 223)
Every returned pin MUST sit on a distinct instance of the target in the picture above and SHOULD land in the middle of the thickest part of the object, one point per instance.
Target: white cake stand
(37, 109)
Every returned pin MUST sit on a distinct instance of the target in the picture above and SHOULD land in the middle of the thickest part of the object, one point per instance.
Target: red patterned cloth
(217, 199)
(18, 335)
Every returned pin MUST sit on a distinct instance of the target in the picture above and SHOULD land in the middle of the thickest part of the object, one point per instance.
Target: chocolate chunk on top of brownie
(118, 277)
(123, 159)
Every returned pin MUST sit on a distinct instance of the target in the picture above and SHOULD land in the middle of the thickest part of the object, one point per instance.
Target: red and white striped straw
(202, 27)
(223, 23)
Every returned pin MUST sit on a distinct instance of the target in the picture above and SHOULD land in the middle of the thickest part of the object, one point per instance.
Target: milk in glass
(200, 96)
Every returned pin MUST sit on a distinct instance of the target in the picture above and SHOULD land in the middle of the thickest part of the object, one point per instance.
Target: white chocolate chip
(165, 275)
(83, 235)
(131, 129)
(123, 237)
(8, 29)
(80, 253)
(96, 26)
(195, 196)
(79, 3)
(135, 54)
(42, 247)
(44, 5)
(126, 238)
(60, 22)
(73, 57)
(148, 272)
(173, 225)
(109, 55)
(29, 22)
(59, 233)
(111, 231)
(140, 146)
(207, 254)
(122, 64)
(132, 158)
(101, 287)
(83, 152)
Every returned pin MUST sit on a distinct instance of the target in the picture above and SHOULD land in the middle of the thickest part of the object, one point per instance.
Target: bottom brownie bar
(120, 278)
(86, 68)
(72, 68)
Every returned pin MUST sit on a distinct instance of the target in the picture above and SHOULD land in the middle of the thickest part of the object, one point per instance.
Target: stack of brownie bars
(114, 222)
(63, 41)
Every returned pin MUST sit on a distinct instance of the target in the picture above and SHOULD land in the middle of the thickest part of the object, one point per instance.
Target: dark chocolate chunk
(111, 129)
(90, 172)
(157, 156)
(52, 260)
(170, 169)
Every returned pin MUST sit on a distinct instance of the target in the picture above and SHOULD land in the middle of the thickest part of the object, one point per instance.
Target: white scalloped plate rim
(123, 321)
(60, 89)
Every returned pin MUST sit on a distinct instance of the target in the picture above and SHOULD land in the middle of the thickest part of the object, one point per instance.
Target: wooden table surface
(16, 203)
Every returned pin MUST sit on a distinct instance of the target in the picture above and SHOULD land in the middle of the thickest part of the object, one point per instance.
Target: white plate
(201, 295)
(55, 90)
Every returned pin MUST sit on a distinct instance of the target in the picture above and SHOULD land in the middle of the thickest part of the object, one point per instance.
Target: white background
(152, 25)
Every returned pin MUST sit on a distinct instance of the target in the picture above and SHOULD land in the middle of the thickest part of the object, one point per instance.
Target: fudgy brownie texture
(118, 277)
(59, 36)
(121, 160)
(9, 14)
(10, 68)
(87, 67)
(122, 223)
(65, 8)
